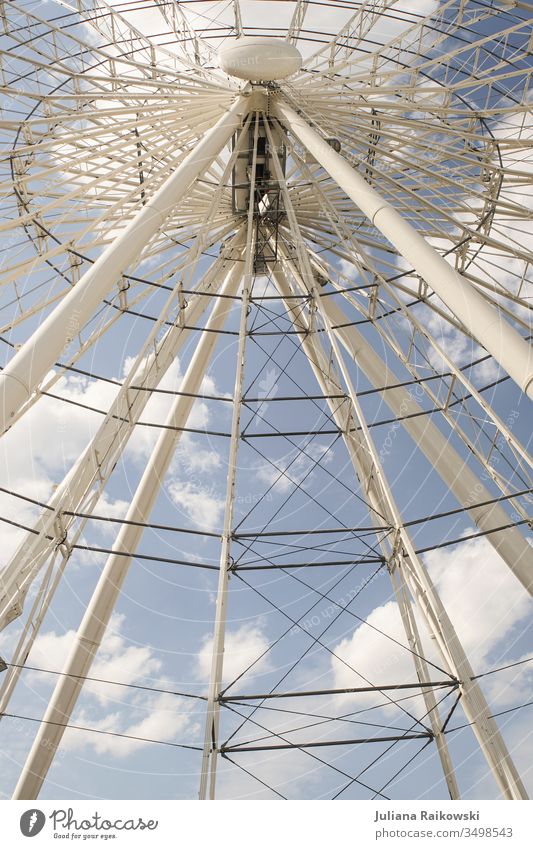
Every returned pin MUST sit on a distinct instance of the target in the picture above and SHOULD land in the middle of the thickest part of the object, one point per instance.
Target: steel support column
(100, 608)
(370, 472)
(481, 319)
(37, 356)
(341, 414)
(465, 485)
(83, 484)
(412, 571)
(212, 723)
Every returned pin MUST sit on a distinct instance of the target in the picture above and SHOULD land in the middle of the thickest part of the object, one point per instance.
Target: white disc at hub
(259, 59)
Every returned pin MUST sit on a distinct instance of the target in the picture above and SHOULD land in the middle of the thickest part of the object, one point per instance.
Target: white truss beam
(83, 484)
(297, 21)
(369, 470)
(466, 486)
(321, 366)
(30, 364)
(237, 18)
(211, 738)
(411, 571)
(108, 132)
(100, 608)
(480, 318)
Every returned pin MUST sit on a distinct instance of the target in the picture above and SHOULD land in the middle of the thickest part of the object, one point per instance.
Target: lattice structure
(340, 263)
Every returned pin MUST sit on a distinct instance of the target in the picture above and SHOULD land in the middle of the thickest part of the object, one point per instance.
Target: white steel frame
(346, 213)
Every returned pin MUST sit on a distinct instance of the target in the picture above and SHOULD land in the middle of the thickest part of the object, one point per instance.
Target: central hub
(256, 165)
(259, 59)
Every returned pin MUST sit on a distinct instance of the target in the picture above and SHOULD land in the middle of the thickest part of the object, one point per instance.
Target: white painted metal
(370, 473)
(464, 301)
(101, 455)
(369, 469)
(297, 20)
(238, 17)
(362, 262)
(76, 492)
(405, 606)
(54, 533)
(30, 364)
(453, 469)
(259, 59)
(30, 630)
(100, 608)
(211, 742)
(367, 102)
(330, 386)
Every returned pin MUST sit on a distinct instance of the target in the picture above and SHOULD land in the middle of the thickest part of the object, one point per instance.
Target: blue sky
(160, 633)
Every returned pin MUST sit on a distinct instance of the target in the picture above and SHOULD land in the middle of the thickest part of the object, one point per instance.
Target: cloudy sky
(297, 629)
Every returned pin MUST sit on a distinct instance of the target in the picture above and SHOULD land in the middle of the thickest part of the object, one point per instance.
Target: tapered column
(100, 456)
(479, 317)
(100, 608)
(37, 356)
(210, 753)
(320, 365)
(368, 469)
(82, 486)
(466, 486)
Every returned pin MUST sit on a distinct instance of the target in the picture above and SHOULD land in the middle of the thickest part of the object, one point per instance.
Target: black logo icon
(32, 822)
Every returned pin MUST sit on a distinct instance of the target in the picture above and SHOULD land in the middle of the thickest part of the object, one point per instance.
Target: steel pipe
(99, 610)
(37, 356)
(479, 317)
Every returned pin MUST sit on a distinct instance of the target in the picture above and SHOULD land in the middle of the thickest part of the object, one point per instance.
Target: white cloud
(112, 508)
(242, 647)
(199, 504)
(162, 716)
(115, 661)
(456, 345)
(167, 716)
(199, 460)
(377, 659)
(294, 468)
(188, 453)
(485, 601)
(486, 605)
(52, 434)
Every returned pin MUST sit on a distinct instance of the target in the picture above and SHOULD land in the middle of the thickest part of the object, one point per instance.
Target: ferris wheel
(266, 292)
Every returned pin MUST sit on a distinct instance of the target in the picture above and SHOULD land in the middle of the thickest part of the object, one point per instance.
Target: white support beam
(298, 17)
(480, 318)
(341, 413)
(405, 607)
(98, 612)
(237, 18)
(465, 485)
(212, 724)
(411, 570)
(83, 484)
(27, 368)
(369, 470)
